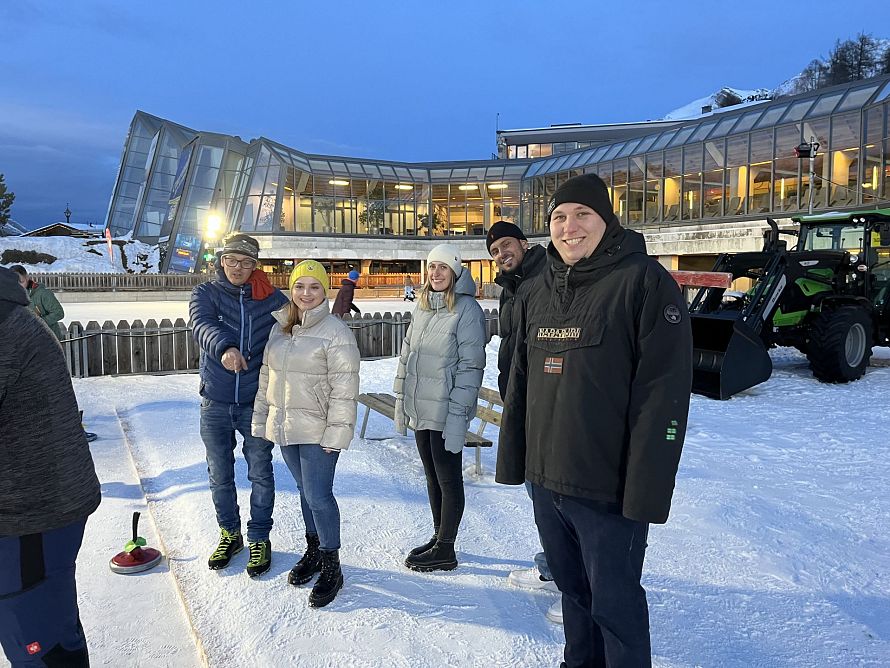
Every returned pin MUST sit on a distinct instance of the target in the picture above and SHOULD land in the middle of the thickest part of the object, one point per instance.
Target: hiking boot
(329, 582)
(440, 557)
(554, 612)
(531, 578)
(230, 544)
(260, 557)
(309, 565)
(427, 545)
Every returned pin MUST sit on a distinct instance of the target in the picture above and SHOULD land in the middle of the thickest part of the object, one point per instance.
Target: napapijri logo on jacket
(559, 333)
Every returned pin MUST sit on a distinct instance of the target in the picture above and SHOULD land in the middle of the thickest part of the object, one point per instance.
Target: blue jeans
(219, 422)
(39, 620)
(313, 469)
(596, 555)
(540, 557)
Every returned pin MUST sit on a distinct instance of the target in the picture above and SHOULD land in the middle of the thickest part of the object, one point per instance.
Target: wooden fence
(108, 282)
(137, 347)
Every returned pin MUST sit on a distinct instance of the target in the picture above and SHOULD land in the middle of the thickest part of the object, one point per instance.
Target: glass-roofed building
(694, 188)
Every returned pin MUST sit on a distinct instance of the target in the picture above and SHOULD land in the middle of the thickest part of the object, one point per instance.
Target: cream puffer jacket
(308, 382)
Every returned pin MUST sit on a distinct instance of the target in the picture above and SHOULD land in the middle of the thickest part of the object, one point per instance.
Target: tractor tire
(839, 346)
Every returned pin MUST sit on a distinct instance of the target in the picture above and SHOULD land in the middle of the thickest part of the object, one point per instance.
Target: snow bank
(53, 255)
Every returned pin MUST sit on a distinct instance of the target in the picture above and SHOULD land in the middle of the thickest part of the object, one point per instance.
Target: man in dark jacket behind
(517, 263)
(343, 304)
(48, 488)
(595, 417)
(232, 318)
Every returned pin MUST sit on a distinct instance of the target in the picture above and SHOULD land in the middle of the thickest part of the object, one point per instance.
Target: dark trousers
(596, 557)
(39, 619)
(444, 482)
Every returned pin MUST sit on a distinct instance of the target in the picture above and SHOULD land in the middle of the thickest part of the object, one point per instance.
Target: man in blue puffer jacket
(231, 318)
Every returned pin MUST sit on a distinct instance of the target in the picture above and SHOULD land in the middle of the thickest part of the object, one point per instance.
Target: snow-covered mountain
(723, 98)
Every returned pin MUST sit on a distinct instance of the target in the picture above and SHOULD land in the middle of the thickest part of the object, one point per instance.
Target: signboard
(184, 254)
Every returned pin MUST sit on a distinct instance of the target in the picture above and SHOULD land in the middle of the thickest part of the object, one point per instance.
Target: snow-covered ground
(115, 311)
(776, 553)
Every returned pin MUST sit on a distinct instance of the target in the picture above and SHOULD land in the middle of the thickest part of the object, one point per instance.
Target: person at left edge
(231, 318)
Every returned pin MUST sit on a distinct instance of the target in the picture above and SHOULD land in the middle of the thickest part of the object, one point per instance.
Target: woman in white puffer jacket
(306, 403)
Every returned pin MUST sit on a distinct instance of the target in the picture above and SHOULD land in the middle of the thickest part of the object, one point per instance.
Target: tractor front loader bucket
(728, 356)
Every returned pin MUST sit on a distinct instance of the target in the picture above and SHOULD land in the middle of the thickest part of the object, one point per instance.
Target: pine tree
(841, 62)
(864, 56)
(6, 200)
(885, 68)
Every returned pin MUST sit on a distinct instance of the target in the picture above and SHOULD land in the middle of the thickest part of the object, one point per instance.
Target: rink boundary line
(199, 644)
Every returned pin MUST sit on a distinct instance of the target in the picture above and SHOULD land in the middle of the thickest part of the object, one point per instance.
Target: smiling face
(576, 231)
(307, 293)
(507, 253)
(440, 275)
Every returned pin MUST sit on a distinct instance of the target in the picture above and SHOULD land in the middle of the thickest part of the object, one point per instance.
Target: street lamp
(213, 229)
(67, 213)
(807, 150)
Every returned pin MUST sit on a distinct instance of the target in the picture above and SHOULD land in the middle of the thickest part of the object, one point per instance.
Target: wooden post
(194, 358)
(94, 349)
(152, 346)
(181, 344)
(138, 346)
(165, 346)
(109, 348)
(124, 346)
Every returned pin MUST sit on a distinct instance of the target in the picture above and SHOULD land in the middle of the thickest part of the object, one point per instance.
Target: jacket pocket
(560, 338)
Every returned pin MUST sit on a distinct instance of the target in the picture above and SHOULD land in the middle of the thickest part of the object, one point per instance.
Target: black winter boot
(427, 545)
(329, 582)
(309, 565)
(440, 557)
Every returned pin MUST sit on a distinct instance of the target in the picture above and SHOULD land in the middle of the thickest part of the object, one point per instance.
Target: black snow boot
(309, 565)
(427, 545)
(329, 582)
(440, 557)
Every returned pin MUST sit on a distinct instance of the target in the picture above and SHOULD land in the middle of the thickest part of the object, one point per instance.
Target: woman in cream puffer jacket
(306, 403)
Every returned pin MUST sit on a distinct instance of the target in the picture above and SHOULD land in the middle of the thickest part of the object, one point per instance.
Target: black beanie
(500, 230)
(587, 189)
(243, 244)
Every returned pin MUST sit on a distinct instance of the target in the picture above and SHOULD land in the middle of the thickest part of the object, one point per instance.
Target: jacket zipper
(240, 343)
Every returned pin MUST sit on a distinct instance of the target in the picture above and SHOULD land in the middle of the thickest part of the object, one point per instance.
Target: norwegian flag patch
(553, 365)
(33, 648)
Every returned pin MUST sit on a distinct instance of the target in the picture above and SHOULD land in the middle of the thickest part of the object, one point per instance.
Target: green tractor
(827, 296)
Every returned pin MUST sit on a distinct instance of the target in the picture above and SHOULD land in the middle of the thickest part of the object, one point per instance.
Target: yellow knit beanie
(309, 268)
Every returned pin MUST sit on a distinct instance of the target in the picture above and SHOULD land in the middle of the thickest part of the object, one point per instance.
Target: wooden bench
(385, 404)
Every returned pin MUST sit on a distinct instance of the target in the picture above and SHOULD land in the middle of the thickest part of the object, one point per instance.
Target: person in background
(437, 387)
(518, 263)
(409, 290)
(48, 489)
(231, 318)
(604, 345)
(343, 304)
(42, 301)
(306, 403)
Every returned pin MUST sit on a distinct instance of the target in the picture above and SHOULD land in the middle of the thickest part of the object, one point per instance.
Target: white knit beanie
(446, 254)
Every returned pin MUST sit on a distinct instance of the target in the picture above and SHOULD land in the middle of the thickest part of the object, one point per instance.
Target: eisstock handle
(135, 525)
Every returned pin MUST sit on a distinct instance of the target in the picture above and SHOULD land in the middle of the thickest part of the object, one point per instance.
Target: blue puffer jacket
(224, 316)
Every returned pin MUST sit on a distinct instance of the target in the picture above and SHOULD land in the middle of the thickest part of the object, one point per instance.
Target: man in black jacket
(48, 488)
(595, 417)
(517, 264)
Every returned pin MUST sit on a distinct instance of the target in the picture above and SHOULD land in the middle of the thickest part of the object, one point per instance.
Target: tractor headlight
(854, 258)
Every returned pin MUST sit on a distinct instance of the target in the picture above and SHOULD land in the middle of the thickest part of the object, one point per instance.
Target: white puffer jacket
(308, 382)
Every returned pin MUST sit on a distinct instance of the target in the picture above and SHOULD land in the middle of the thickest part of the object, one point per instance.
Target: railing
(108, 282)
(137, 347)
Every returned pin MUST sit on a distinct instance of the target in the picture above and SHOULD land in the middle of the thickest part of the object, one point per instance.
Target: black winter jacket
(534, 260)
(343, 303)
(599, 389)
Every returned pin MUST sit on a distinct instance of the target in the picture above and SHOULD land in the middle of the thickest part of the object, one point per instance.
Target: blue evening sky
(392, 80)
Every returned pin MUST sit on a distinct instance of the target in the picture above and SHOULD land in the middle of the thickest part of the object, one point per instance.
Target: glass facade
(740, 163)
(174, 184)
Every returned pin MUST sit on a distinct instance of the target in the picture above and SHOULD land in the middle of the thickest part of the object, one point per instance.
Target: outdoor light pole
(67, 213)
(808, 150)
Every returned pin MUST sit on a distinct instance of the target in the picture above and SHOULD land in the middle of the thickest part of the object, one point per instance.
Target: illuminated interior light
(497, 186)
(404, 186)
(338, 182)
(468, 186)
